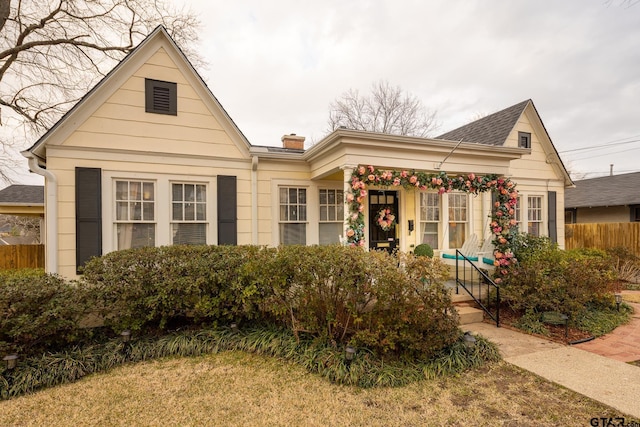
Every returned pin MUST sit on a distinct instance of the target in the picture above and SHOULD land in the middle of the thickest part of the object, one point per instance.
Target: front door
(383, 219)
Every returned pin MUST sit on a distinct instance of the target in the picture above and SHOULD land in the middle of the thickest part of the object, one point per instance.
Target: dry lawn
(632, 297)
(238, 389)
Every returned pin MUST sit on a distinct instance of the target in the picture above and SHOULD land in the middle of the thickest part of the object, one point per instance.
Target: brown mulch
(509, 317)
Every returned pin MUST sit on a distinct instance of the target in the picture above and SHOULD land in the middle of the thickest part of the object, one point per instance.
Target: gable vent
(161, 97)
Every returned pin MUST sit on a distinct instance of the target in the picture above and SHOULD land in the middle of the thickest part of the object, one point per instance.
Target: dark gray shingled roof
(22, 195)
(490, 130)
(616, 190)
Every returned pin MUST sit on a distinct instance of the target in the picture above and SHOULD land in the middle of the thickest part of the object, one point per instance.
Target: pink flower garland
(503, 220)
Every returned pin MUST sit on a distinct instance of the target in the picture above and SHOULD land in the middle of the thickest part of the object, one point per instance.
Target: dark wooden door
(379, 238)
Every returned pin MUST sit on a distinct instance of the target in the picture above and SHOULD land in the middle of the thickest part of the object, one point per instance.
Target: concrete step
(469, 314)
(463, 296)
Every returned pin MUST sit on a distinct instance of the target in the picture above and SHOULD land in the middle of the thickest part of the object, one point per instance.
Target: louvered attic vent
(161, 97)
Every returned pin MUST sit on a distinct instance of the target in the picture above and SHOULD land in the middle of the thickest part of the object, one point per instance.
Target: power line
(605, 145)
(601, 155)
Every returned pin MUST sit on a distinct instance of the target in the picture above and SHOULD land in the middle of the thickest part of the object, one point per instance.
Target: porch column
(347, 170)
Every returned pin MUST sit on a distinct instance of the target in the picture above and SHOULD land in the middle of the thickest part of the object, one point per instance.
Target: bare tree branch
(387, 110)
(52, 52)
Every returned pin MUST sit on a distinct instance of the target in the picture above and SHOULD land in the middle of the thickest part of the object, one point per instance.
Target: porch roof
(348, 148)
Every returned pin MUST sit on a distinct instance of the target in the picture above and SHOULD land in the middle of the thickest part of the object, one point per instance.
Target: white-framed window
(430, 219)
(135, 218)
(534, 215)
(457, 219)
(188, 213)
(518, 214)
(524, 139)
(293, 215)
(331, 219)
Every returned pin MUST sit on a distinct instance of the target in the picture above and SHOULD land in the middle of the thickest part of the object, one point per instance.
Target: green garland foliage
(502, 215)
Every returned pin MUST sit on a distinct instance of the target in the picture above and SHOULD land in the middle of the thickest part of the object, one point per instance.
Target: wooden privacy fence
(603, 236)
(21, 256)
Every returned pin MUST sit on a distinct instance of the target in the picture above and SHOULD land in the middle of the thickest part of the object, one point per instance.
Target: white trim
(51, 212)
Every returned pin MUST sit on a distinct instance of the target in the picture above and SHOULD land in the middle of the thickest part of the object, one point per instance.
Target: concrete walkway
(606, 379)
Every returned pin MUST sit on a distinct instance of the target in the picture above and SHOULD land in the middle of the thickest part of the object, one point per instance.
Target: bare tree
(53, 51)
(387, 109)
(27, 226)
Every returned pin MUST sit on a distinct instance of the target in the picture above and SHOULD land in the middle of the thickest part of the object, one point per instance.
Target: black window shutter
(553, 223)
(88, 215)
(227, 210)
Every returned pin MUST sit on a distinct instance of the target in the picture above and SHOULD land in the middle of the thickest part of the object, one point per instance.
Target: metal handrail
(482, 279)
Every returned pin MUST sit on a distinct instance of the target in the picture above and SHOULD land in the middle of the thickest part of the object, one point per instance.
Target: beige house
(150, 157)
(613, 198)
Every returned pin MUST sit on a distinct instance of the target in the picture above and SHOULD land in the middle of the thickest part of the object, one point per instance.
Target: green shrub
(39, 311)
(397, 306)
(344, 294)
(423, 249)
(526, 246)
(550, 279)
(156, 288)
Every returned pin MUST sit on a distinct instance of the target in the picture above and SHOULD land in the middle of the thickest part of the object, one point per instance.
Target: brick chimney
(293, 142)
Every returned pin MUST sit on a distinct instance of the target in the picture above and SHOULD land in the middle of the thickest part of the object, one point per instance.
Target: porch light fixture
(125, 336)
(469, 340)
(618, 298)
(350, 353)
(11, 361)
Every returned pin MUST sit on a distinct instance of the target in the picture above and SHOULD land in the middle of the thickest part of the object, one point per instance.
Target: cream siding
(603, 214)
(110, 130)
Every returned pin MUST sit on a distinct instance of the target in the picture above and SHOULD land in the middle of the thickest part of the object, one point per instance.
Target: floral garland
(385, 219)
(502, 217)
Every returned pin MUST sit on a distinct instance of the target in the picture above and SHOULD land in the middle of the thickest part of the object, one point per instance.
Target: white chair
(469, 249)
(485, 254)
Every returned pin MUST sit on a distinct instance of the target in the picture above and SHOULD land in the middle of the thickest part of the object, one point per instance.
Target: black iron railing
(477, 283)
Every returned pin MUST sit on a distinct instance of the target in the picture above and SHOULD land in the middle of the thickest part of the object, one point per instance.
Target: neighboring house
(25, 200)
(613, 198)
(150, 157)
(21, 201)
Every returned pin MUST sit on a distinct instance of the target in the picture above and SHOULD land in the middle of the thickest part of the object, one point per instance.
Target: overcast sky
(276, 65)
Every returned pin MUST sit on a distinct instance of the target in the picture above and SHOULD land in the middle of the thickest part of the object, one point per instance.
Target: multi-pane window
(135, 214)
(331, 215)
(188, 214)
(534, 215)
(457, 219)
(518, 213)
(429, 218)
(293, 215)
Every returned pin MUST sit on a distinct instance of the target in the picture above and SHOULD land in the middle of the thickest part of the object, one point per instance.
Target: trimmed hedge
(39, 312)
(423, 249)
(395, 305)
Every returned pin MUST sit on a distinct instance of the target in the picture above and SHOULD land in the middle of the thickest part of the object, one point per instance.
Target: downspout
(51, 212)
(254, 200)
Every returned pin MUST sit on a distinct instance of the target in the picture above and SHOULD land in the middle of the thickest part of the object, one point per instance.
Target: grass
(635, 297)
(240, 389)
